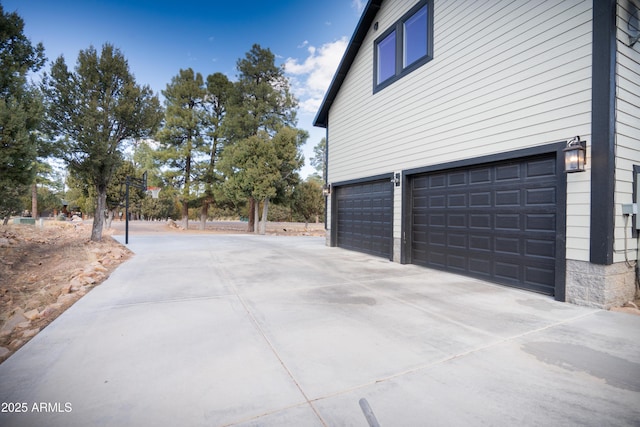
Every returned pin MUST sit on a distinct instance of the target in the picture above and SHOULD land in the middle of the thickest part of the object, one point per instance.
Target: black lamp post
(140, 183)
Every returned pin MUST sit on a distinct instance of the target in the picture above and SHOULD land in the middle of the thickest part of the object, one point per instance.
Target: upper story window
(404, 46)
(387, 57)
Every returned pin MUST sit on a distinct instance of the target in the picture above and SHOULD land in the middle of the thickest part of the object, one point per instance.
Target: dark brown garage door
(364, 217)
(496, 222)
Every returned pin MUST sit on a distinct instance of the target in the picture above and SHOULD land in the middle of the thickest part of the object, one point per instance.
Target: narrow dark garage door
(364, 217)
(496, 222)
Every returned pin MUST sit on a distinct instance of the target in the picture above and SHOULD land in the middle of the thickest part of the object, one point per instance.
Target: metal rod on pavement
(368, 413)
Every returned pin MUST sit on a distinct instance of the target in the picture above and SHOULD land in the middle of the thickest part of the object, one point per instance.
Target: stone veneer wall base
(601, 286)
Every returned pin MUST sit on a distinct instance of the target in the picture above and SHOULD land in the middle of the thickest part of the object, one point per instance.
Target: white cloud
(310, 78)
(358, 5)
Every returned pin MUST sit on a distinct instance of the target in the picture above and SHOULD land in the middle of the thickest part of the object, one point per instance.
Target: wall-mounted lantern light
(575, 155)
(326, 189)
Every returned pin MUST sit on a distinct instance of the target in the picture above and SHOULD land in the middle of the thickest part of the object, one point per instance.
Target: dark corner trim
(325, 174)
(636, 199)
(603, 132)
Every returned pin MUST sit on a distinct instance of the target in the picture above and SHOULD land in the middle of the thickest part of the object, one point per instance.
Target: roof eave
(368, 15)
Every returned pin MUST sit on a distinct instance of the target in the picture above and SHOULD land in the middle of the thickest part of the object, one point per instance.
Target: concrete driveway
(216, 330)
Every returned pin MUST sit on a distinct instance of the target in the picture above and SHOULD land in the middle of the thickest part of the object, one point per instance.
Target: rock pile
(172, 224)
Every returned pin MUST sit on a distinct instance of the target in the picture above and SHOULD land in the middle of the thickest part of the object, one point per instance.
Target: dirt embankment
(45, 270)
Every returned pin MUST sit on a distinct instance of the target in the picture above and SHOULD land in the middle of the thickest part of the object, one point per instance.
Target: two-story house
(452, 133)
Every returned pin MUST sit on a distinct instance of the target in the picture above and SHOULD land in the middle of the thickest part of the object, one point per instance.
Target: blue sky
(159, 37)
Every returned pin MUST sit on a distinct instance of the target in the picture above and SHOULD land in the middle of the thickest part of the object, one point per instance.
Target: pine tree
(258, 157)
(94, 111)
(183, 132)
(20, 111)
(219, 90)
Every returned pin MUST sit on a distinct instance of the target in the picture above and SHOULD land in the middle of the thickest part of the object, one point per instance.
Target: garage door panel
(480, 243)
(540, 248)
(457, 220)
(457, 201)
(480, 199)
(507, 246)
(510, 272)
(480, 221)
(541, 222)
(480, 266)
(455, 179)
(507, 222)
(508, 172)
(480, 175)
(437, 220)
(541, 168)
(437, 238)
(508, 198)
(456, 240)
(457, 262)
(437, 181)
(541, 196)
(538, 276)
(365, 217)
(437, 258)
(499, 221)
(439, 201)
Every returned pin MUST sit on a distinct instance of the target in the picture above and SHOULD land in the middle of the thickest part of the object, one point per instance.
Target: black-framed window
(404, 46)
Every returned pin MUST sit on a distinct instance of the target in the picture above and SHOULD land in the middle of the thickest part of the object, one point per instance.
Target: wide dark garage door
(495, 221)
(364, 217)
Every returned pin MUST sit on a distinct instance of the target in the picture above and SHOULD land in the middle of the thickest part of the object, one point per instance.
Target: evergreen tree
(20, 111)
(319, 160)
(219, 90)
(95, 110)
(307, 200)
(261, 107)
(183, 132)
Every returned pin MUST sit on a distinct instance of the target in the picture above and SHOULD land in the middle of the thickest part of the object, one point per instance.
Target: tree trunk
(185, 215)
(98, 218)
(252, 207)
(204, 213)
(265, 209)
(34, 200)
(256, 216)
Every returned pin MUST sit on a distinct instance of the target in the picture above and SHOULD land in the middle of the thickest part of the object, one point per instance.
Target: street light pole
(138, 183)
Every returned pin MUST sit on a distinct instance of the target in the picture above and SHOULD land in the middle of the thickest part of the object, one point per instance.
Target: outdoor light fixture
(575, 155)
(326, 189)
